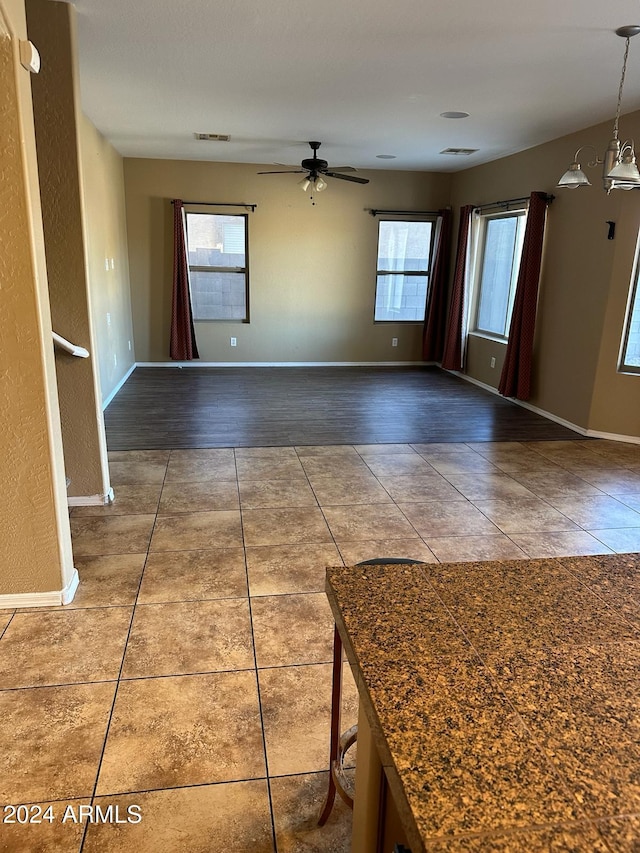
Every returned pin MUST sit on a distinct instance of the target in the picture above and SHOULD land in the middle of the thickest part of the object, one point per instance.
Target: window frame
(477, 269)
(633, 296)
(213, 269)
(436, 222)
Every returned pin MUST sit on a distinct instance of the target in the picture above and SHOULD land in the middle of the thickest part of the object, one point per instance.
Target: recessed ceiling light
(454, 114)
(386, 156)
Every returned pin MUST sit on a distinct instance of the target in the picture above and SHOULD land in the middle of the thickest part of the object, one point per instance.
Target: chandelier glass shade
(316, 182)
(619, 169)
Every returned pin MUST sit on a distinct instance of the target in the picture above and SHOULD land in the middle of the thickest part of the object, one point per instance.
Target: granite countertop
(503, 698)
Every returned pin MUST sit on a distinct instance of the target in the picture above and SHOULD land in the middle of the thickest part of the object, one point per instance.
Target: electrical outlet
(108, 319)
(394, 342)
(233, 341)
(493, 361)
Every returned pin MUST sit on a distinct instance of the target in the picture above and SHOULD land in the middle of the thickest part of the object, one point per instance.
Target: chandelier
(619, 170)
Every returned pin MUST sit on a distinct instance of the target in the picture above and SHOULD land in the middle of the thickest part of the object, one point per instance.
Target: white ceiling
(365, 77)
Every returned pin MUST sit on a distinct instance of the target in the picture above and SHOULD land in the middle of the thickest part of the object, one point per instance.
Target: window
(630, 359)
(217, 254)
(404, 261)
(500, 238)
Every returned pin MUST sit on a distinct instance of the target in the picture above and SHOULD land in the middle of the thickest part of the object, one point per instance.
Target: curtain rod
(509, 201)
(251, 207)
(406, 212)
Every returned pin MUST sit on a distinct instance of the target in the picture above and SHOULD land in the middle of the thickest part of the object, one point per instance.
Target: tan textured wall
(576, 314)
(312, 269)
(480, 351)
(55, 98)
(615, 404)
(35, 545)
(106, 244)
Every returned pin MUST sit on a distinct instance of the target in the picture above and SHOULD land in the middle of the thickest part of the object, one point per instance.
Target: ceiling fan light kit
(619, 169)
(317, 170)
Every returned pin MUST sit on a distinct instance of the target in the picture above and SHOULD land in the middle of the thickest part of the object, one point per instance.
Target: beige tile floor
(191, 674)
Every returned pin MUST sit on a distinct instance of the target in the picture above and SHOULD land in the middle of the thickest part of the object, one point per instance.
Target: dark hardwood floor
(163, 408)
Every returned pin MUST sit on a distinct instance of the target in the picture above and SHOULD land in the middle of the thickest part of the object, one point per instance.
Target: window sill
(487, 337)
(218, 320)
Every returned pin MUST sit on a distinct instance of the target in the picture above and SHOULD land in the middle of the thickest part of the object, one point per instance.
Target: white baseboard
(106, 402)
(42, 599)
(68, 593)
(91, 500)
(612, 436)
(588, 433)
(548, 415)
(284, 363)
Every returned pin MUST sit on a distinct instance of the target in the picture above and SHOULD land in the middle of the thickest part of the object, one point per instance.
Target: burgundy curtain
(183, 337)
(453, 345)
(436, 310)
(515, 380)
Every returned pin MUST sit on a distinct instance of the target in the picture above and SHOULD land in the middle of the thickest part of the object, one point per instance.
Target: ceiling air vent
(213, 137)
(459, 152)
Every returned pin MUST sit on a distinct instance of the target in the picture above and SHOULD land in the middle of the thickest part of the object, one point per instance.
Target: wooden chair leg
(336, 695)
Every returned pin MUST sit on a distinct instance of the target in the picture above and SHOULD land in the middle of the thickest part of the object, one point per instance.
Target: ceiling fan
(317, 170)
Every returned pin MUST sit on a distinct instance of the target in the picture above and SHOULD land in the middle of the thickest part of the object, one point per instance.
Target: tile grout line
(153, 790)
(255, 669)
(421, 538)
(601, 493)
(514, 479)
(4, 630)
(124, 654)
(547, 501)
(465, 500)
(581, 529)
(324, 518)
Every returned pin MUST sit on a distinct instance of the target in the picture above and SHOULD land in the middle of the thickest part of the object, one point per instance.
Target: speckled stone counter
(503, 698)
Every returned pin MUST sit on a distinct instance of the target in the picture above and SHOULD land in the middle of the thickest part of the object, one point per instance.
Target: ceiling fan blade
(285, 172)
(343, 169)
(342, 177)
